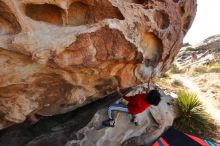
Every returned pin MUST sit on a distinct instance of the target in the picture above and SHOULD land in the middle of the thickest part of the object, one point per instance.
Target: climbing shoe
(134, 121)
(109, 123)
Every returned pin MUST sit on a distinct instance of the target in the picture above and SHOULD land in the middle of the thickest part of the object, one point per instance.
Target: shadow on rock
(55, 130)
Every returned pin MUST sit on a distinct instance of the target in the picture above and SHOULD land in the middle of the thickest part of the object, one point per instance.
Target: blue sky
(206, 23)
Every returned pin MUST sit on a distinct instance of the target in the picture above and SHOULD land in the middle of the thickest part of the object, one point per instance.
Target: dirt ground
(207, 87)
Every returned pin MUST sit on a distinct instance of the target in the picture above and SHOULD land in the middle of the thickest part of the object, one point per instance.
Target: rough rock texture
(206, 52)
(81, 127)
(56, 55)
(153, 123)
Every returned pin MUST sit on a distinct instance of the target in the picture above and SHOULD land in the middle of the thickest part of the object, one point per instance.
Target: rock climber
(136, 104)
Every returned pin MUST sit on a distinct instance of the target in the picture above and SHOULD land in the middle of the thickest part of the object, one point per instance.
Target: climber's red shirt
(137, 103)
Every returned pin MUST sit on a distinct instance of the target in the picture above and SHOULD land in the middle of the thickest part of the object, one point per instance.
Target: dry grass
(177, 83)
(201, 69)
(191, 49)
(171, 85)
(204, 90)
(176, 70)
(213, 67)
(165, 75)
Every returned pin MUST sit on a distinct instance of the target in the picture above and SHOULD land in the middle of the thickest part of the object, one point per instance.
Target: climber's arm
(128, 98)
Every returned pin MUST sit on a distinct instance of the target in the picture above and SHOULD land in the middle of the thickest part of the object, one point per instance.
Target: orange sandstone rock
(57, 55)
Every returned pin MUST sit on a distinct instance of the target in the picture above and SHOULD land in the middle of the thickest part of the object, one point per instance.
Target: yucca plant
(193, 118)
(192, 115)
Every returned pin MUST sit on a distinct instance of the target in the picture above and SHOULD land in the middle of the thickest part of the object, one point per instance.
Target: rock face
(204, 53)
(153, 123)
(57, 55)
(81, 127)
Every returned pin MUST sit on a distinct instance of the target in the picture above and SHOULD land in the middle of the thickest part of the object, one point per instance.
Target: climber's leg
(116, 107)
(134, 120)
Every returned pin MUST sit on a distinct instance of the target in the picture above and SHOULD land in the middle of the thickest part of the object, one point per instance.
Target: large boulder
(57, 55)
(85, 128)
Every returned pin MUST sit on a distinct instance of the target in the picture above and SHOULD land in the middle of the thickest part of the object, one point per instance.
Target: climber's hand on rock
(119, 92)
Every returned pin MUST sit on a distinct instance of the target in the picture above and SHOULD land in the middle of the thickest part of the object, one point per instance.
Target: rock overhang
(88, 46)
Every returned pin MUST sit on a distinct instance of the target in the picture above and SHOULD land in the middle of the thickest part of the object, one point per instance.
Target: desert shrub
(190, 109)
(176, 70)
(201, 69)
(165, 75)
(214, 70)
(177, 83)
(191, 49)
(211, 67)
(215, 63)
(214, 66)
(192, 117)
(186, 44)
